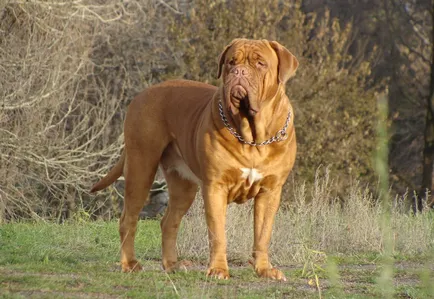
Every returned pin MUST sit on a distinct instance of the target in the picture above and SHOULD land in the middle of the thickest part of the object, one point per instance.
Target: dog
(237, 142)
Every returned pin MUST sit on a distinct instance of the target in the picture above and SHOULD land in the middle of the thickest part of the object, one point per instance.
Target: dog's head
(252, 72)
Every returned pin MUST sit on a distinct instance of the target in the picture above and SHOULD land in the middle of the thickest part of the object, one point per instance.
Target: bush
(70, 69)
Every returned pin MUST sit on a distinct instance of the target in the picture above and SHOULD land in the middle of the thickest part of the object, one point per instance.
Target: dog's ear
(222, 58)
(288, 64)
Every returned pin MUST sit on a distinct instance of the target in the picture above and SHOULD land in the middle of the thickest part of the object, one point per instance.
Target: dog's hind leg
(181, 195)
(140, 168)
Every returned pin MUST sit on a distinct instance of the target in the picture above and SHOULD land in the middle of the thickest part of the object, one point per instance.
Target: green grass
(80, 259)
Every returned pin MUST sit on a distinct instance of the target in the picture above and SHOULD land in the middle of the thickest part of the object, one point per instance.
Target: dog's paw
(218, 273)
(266, 270)
(271, 273)
(133, 266)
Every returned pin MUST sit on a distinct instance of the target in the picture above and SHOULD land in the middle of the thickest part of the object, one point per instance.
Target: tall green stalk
(385, 280)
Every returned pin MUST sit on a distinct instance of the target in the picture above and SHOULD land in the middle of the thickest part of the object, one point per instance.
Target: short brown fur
(177, 125)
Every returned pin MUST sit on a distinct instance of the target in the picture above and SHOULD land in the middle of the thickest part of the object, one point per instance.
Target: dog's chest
(247, 182)
(250, 175)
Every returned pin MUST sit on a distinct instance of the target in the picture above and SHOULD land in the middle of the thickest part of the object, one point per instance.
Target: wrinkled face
(250, 75)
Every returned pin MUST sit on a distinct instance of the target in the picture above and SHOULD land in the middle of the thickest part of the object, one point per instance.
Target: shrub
(69, 70)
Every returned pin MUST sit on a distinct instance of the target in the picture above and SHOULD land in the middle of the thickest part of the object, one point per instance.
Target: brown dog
(236, 142)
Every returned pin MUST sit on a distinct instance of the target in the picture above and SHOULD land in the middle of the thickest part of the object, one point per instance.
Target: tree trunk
(428, 159)
(428, 151)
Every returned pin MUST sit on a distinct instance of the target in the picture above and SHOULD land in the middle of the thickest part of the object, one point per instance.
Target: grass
(326, 248)
(80, 259)
(315, 226)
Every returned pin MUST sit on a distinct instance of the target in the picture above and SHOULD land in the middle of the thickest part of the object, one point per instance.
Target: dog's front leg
(266, 206)
(215, 211)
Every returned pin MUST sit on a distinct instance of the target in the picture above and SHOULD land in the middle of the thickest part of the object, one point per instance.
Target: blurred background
(68, 70)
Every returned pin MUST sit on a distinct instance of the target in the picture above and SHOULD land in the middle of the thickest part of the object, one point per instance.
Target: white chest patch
(251, 175)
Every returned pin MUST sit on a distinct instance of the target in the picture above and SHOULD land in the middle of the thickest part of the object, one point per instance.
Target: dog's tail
(112, 176)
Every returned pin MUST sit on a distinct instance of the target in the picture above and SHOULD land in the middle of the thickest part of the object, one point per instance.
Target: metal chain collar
(280, 135)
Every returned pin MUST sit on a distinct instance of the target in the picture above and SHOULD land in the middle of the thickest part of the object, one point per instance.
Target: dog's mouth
(242, 101)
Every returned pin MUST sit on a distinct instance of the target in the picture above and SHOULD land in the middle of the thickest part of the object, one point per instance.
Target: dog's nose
(239, 71)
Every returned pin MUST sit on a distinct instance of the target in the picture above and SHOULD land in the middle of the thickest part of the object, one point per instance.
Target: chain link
(280, 135)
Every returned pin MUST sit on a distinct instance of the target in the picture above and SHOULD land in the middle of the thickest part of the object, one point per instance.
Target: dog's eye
(261, 64)
(232, 62)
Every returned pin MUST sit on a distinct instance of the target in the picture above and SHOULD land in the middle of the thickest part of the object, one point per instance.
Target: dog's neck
(266, 123)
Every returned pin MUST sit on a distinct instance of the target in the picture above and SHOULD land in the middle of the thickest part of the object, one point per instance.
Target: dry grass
(315, 225)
